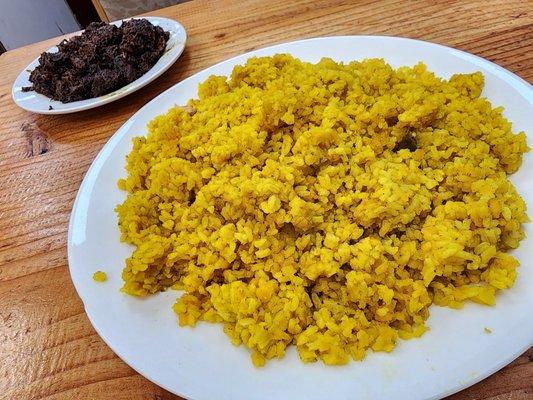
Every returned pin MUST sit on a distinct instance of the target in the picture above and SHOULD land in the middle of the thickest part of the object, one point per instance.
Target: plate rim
(123, 129)
(114, 95)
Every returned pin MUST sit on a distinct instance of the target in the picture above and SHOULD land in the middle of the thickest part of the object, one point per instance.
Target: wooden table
(48, 349)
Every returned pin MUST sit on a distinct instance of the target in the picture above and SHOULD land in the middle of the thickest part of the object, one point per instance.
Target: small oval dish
(41, 104)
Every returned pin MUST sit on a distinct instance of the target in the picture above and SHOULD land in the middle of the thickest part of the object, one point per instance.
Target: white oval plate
(201, 363)
(40, 104)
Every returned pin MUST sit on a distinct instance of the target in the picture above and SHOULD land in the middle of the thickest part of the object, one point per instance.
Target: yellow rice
(100, 276)
(325, 206)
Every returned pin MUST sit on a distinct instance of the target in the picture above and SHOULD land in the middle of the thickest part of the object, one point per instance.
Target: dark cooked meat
(102, 59)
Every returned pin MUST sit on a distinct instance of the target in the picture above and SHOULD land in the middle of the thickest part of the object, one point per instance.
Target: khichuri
(325, 206)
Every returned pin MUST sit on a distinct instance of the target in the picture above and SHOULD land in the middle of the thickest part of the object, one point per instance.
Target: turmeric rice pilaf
(325, 205)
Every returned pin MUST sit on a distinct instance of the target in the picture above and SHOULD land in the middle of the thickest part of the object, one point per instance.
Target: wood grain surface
(48, 349)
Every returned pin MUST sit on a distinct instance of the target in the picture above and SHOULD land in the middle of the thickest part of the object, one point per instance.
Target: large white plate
(201, 363)
(40, 104)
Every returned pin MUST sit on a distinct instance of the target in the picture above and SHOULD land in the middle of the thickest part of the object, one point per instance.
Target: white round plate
(40, 104)
(202, 364)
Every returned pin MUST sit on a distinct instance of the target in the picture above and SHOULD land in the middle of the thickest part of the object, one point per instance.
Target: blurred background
(28, 21)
